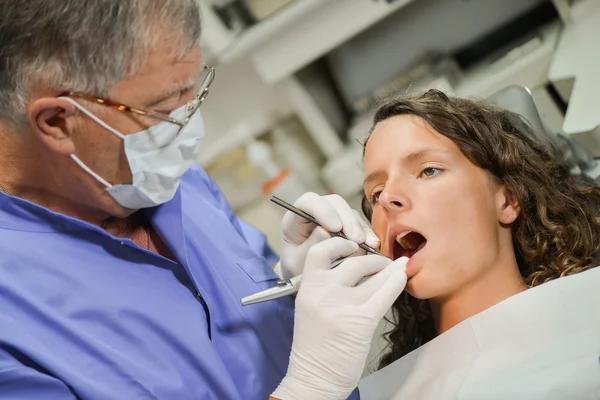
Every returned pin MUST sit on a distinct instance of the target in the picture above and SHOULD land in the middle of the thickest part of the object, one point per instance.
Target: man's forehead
(161, 72)
(165, 60)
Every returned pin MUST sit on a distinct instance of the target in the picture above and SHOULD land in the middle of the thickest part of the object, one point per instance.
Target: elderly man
(121, 264)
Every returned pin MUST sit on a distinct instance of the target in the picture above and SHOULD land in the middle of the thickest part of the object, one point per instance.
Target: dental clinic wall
(241, 108)
(238, 97)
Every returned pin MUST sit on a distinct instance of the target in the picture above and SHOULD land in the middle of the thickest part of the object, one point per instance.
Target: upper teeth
(404, 243)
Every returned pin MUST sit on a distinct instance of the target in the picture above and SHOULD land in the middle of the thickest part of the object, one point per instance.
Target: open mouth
(408, 244)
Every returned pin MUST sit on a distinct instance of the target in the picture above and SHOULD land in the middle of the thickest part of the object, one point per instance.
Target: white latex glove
(336, 319)
(299, 235)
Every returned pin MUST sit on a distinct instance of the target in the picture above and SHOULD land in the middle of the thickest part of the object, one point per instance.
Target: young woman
(483, 207)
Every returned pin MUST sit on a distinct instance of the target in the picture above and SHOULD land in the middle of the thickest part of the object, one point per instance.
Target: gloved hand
(299, 235)
(336, 319)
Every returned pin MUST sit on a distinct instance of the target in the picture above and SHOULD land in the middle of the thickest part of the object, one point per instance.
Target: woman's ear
(507, 205)
(48, 116)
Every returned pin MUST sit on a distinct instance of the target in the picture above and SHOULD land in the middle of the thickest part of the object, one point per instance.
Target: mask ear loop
(102, 124)
(89, 171)
(93, 117)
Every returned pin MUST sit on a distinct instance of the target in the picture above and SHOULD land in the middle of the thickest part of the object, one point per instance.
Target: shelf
(323, 26)
(260, 33)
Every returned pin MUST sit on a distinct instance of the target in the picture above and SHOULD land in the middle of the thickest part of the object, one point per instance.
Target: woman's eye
(430, 171)
(375, 197)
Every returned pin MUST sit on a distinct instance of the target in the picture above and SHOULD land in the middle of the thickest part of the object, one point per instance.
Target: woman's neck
(489, 289)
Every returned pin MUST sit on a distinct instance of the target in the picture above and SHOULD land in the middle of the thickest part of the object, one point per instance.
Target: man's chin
(120, 212)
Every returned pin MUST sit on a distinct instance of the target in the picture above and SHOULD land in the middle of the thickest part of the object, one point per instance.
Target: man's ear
(507, 205)
(48, 116)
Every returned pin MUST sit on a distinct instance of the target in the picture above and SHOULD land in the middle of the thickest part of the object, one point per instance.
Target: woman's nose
(392, 200)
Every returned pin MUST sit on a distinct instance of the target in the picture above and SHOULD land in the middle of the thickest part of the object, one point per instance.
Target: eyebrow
(177, 88)
(422, 153)
(373, 177)
(413, 157)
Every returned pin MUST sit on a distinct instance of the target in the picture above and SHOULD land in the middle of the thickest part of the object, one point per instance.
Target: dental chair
(519, 99)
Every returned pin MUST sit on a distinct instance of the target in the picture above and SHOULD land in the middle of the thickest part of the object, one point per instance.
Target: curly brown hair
(558, 230)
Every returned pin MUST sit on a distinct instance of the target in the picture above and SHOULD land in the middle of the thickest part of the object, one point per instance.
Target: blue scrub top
(84, 314)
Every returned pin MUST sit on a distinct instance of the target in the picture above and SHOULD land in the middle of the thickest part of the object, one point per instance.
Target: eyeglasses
(206, 79)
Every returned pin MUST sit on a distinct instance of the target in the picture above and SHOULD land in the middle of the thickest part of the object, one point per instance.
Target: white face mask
(158, 157)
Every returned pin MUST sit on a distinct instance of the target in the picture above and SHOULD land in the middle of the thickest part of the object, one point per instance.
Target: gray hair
(83, 45)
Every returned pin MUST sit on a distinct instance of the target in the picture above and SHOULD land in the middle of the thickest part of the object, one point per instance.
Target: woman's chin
(410, 288)
(420, 284)
(418, 288)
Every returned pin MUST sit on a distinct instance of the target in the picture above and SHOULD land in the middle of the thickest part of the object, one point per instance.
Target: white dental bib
(543, 343)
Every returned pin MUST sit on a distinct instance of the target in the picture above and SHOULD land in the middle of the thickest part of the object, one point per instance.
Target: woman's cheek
(379, 225)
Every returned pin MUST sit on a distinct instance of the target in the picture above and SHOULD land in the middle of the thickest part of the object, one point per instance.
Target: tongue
(413, 242)
(410, 253)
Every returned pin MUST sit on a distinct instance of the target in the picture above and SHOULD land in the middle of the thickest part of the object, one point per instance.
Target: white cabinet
(294, 37)
(288, 41)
